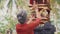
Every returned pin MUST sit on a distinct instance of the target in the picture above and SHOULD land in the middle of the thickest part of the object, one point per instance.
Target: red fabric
(38, 1)
(27, 28)
(31, 2)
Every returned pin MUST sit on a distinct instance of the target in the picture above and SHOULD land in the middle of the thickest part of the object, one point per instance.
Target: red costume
(27, 28)
(39, 1)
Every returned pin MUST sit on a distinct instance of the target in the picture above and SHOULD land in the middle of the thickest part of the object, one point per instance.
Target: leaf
(2, 3)
(58, 1)
(10, 4)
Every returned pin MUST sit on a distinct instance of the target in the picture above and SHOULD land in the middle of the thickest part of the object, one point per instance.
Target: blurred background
(9, 10)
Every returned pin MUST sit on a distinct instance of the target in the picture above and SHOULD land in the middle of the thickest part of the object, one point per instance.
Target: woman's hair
(22, 13)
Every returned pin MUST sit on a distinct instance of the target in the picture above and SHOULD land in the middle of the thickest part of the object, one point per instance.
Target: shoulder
(17, 24)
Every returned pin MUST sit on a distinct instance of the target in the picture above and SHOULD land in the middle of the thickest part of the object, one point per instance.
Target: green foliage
(10, 4)
(1, 3)
(19, 3)
(12, 23)
(58, 32)
(58, 1)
